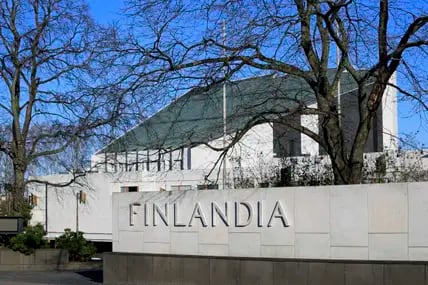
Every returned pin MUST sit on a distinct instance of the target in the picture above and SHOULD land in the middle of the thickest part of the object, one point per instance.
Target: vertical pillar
(126, 160)
(115, 162)
(46, 207)
(105, 162)
(136, 160)
(148, 160)
(182, 158)
(189, 158)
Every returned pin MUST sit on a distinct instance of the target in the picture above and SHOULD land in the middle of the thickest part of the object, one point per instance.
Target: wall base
(41, 259)
(130, 268)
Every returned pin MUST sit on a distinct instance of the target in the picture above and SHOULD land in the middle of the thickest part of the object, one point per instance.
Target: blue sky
(409, 121)
(105, 11)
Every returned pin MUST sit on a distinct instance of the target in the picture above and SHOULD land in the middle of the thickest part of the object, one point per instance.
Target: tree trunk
(18, 188)
(346, 170)
(348, 165)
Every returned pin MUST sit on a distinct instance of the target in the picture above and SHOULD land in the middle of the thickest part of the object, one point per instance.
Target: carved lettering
(249, 208)
(278, 212)
(198, 214)
(241, 215)
(216, 211)
(133, 213)
(176, 218)
(163, 215)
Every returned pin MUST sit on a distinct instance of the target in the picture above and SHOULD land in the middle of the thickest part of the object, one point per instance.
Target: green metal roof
(197, 116)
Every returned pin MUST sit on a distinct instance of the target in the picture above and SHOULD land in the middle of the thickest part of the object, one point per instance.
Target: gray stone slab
(363, 222)
(28, 259)
(213, 249)
(196, 270)
(167, 269)
(349, 216)
(312, 246)
(388, 247)
(184, 243)
(40, 257)
(160, 233)
(312, 210)
(225, 271)
(248, 196)
(324, 273)
(156, 247)
(347, 252)
(277, 251)
(140, 267)
(388, 208)
(185, 203)
(130, 241)
(10, 257)
(115, 268)
(291, 273)
(404, 274)
(257, 272)
(363, 274)
(214, 235)
(418, 253)
(244, 244)
(277, 234)
(53, 256)
(418, 214)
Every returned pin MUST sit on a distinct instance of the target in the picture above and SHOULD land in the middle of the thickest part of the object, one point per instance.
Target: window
(208, 187)
(181, 187)
(129, 189)
(189, 158)
(286, 141)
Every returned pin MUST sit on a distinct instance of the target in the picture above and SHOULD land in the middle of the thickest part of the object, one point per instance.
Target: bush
(78, 247)
(30, 239)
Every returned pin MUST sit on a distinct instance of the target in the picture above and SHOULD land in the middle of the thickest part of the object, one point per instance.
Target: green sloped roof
(197, 116)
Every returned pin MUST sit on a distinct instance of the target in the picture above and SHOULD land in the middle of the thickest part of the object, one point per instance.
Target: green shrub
(30, 239)
(78, 247)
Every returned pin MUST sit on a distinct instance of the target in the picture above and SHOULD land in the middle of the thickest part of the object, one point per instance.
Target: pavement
(92, 277)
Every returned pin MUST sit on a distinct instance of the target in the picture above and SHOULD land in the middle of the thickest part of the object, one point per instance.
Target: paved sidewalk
(51, 278)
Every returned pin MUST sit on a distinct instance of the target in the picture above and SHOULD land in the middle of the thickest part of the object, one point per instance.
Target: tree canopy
(183, 41)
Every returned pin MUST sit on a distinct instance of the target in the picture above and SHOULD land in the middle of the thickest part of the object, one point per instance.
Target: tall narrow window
(148, 161)
(136, 160)
(105, 162)
(126, 160)
(115, 162)
(189, 158)
(182, 158)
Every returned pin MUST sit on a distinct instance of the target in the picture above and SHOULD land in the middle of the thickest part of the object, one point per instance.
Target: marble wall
(358, 222)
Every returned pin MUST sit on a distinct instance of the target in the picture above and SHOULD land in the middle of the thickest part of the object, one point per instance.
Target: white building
(175, 149)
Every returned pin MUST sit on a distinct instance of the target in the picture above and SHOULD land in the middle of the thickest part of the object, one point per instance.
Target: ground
(52, 277)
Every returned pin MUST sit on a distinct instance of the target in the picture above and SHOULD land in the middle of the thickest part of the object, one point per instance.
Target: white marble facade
(358, 222)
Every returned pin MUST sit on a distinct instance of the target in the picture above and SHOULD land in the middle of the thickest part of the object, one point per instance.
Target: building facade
(177, 149)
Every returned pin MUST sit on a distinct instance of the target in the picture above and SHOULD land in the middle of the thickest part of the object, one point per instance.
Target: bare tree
(56, 82)
(373, 40)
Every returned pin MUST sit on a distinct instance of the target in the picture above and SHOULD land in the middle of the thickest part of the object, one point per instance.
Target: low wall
(41, 259)
(358, 234)
(356, 222)
(128, 268)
